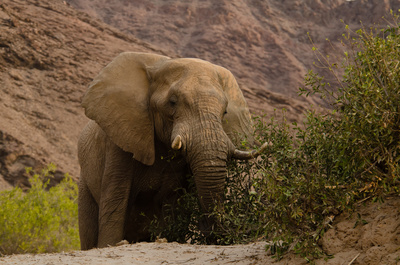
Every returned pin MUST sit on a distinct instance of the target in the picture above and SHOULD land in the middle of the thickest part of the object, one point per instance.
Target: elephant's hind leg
(88, 218)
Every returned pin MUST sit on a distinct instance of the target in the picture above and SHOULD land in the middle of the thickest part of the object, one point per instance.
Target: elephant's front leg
(115, 189)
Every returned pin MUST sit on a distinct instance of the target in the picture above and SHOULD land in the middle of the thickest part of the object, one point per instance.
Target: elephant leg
(115, 190)
(88, 217)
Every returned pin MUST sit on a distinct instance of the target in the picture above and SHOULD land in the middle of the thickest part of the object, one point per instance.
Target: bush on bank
(42, 219)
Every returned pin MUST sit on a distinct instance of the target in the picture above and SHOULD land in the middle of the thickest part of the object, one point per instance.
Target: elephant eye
(173, 100)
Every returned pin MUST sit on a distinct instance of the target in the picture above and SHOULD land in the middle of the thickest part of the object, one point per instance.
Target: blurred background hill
(50, 50)
(264, 43)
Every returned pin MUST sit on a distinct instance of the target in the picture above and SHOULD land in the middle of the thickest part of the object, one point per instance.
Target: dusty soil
(371, 233)
(152, 253)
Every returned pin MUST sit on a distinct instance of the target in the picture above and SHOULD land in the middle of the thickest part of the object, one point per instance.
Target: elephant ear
(118, 100)
(237, 121)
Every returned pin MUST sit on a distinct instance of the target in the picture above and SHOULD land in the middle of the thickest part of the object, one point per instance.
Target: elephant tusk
(246, 155)
(177, 143)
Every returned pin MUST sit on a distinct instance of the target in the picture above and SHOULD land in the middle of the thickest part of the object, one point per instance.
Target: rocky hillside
(264, 43)
(49, 52)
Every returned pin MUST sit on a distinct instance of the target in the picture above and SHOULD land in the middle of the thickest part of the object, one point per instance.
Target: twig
(335, 187)
(185, 261)
(362, 200)
(351, 262)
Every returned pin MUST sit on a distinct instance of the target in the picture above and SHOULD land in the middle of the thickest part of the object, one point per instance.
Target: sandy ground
(175, 253)
(152, 253)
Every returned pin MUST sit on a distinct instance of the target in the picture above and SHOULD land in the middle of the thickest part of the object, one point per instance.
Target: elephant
(142, 107)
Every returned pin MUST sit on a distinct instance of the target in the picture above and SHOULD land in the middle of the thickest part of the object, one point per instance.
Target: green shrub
(312, 172)
(40, 220)
(365, 132)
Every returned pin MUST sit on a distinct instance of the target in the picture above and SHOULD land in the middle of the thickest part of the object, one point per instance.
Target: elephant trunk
(207, 154)
(209, 172)
(210, 181)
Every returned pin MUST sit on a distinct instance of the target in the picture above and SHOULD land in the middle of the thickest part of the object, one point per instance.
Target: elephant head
(188, 105)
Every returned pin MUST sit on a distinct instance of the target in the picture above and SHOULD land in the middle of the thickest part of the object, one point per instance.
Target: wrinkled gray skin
(141, 107)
